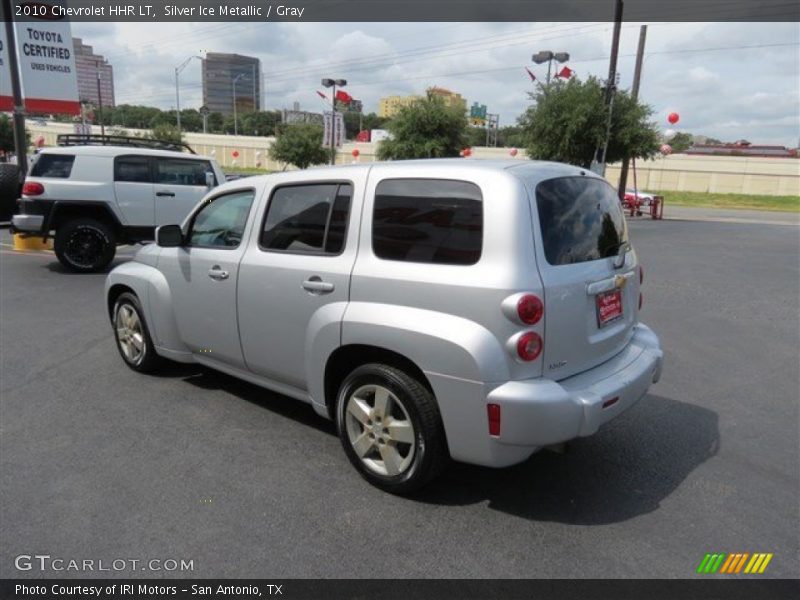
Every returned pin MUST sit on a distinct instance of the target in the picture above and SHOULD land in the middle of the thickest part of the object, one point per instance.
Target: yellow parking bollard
(31, 243)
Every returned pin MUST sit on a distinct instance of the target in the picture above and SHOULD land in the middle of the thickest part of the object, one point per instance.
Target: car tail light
(32, 188)
(641, 274)
(529, 346)
(641, 300)
(493, 413)
(530, 309)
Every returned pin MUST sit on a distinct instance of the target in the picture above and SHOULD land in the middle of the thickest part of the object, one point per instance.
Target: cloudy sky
(726, 80)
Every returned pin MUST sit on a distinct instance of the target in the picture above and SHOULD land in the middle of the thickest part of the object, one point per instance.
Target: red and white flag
(566, 72)
(530, 74)
(321, 95)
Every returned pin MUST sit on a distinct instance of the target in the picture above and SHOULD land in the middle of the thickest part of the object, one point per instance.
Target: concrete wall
(678, 172)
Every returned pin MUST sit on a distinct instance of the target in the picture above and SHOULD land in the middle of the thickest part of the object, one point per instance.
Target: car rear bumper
(542, 412)
(33, 217)
(27, 223)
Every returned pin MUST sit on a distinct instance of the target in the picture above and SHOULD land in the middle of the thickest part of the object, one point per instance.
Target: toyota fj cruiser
(93, 193)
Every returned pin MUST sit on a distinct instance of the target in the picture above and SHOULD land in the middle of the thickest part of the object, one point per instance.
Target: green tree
(7, 135)
(165, 132)
(680, 142)
(216, 120)
(427, 128)
(299, 145)
(569, 122)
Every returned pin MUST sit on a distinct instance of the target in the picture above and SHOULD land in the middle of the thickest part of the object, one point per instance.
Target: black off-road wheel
(85, 245)
(391, 429)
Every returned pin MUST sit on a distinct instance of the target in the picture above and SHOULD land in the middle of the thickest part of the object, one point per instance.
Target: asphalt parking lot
(98, 462)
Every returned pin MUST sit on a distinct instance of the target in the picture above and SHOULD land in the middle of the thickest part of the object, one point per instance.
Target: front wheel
(390, 427)
(133, 338)
(85, 245)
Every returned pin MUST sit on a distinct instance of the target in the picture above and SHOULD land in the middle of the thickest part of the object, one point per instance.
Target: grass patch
(734, 201)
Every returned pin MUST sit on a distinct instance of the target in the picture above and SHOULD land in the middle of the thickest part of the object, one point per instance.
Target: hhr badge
(620, 281)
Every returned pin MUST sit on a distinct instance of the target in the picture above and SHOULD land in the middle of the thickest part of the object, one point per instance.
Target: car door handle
(315, 285)
(170, 194)
(217, 273)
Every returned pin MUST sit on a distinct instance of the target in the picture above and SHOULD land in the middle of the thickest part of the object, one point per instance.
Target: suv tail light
(493, 413)
(641, 274)
(641, 300)
(32, 188)
(529, 346)
(530, 309)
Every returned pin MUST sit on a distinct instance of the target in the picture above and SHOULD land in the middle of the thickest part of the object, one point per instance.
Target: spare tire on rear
(9, 190)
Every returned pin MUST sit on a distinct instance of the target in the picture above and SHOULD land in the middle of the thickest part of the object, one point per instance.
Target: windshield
(581, 219)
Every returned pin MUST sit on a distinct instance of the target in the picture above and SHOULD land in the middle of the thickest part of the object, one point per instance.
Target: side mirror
(210, 180)
(169, 236)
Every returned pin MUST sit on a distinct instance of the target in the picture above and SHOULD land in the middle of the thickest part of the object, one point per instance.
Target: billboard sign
(46, 65)
(333, 124)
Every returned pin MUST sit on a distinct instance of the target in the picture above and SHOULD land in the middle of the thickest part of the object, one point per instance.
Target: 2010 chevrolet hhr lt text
(464, 309)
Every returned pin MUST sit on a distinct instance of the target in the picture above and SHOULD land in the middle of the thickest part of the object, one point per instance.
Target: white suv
(95, 197)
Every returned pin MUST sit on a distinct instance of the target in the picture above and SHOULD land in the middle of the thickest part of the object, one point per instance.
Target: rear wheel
(133, 338)
(85, 245)
(390, 428)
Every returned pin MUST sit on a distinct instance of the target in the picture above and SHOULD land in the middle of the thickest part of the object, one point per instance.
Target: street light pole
(332, 83)
(549, 56)
(235, 116)
(178, 71)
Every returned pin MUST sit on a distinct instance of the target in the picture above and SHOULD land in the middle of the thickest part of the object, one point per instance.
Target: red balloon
(40, 141)
(673, 118)
(666, 149)
(235, 154)
(355, 153)
(467, 151)
(513, 152)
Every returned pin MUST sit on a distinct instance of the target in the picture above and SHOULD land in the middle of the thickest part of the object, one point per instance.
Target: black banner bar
(191, 11)
(402, 589)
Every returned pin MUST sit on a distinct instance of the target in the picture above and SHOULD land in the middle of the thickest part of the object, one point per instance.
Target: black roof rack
(80, 139)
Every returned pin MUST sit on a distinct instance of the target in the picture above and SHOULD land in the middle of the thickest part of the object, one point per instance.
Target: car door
(180, 183)
(133, 188)
(202, 275)
(301, 267)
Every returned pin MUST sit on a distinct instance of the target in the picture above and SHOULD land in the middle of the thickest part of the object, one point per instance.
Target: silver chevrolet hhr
(437, 309)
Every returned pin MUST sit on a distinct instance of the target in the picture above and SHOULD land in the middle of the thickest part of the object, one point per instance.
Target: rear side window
(435, 221)
(53, 165)
(132, 169)
(581, 219)
(176, 171)
(308, 218)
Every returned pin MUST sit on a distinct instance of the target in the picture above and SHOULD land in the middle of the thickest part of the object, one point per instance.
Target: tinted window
(221, 222)
(428, 221)
(581, 219)
(176, 171)
(308, 218)
(53, 165)
(132, 169)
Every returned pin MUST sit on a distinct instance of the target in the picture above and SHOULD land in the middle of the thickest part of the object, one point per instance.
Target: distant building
(88, 65)
(391, 105)
(742, 148)
(221, 72)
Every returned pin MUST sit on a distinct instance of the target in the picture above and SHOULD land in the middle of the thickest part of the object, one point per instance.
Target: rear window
(53, 165)
(581, 219)
(435, 221)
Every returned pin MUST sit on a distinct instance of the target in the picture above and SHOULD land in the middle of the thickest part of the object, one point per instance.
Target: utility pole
(20, 147)
(637, 77)
(611, 85)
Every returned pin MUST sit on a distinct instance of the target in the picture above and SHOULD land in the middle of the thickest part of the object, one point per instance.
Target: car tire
(85, 245)
(132, 335)
(391, 429)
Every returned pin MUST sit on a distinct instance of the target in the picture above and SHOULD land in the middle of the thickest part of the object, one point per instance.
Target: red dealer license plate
(609, 307)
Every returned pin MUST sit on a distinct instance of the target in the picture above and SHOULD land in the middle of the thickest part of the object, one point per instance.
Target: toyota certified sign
(46, 60)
